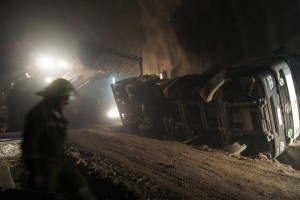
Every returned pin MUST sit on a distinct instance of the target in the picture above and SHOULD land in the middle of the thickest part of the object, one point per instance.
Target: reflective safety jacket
(44, 137)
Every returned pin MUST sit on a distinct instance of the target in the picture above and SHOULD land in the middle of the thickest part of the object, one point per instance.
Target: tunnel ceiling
(181, 36)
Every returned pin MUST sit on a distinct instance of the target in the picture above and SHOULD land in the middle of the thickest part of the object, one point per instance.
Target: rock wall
(192, 36)
(181, 36)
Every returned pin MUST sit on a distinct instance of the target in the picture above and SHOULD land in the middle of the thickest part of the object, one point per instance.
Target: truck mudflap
(275, 133)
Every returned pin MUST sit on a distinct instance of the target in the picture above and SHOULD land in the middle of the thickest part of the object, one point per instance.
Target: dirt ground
(119, 165)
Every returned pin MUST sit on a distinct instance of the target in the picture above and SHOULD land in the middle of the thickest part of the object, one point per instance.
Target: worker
(44, 137)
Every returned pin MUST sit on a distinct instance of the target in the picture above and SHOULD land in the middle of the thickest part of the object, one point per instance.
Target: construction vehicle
(92, 73)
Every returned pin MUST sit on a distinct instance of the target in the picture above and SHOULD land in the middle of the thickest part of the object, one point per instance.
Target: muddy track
(152, 169)
(133, 183)
(200, 188)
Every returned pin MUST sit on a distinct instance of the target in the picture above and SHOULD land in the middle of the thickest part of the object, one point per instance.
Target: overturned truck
(251, 107)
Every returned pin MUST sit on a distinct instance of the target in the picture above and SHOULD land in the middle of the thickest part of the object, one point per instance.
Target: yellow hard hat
(59, 87)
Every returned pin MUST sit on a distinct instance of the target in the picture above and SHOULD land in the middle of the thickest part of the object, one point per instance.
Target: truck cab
(259, 102)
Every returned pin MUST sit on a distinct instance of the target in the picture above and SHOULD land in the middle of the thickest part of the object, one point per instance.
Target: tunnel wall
(181, 36)
(192, 36)
(200, 34)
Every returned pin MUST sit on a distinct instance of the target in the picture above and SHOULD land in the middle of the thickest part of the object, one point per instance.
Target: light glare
(113, 113)
(62, 63)
(46, 61)
(48, 80)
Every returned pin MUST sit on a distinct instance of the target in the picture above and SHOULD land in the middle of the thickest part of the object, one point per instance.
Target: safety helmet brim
(59, 87)
(65, 93)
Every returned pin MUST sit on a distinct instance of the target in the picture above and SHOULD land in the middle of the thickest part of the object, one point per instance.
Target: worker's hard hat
(59, 87)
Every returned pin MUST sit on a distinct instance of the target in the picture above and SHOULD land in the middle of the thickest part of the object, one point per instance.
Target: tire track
(202, 188)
